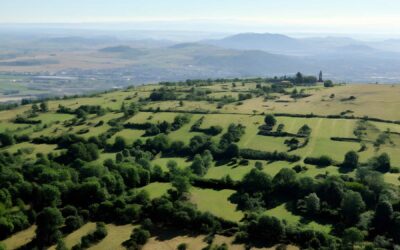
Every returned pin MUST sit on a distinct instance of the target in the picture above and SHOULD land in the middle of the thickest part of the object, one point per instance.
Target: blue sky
(295, 15)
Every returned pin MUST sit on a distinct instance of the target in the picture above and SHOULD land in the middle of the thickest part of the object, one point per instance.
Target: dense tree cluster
(233, 135)
(161, 127)
(6, 139)
(82, 111)
(201, 163)
(129, 110)
(359, 208)
(163, 94)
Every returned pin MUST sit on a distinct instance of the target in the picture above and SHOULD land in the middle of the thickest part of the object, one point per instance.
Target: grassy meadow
(373, 101)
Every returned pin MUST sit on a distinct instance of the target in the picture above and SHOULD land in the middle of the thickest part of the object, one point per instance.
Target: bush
(253, 154)
(322, 161)
(163, 94)
(266, 229)
(182, 246)
(328, 83)
(60, 245)
(305, 130)
(23, 120)
(350, 160)
(270, 120)
(21, 138)
(139, 237)
(72, 223)
(6, 139)
(94, 237)
(101, 231)
(48, 222)
(382, 163)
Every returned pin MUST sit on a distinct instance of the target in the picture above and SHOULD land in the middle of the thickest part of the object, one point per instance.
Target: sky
(338, 16)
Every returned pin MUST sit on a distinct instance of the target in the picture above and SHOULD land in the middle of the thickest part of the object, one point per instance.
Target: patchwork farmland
(200, 163)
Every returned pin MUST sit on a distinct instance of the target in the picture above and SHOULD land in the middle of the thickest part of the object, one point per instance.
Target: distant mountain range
(352, 63)
(242, 55)
(273, 43)
(281, 44)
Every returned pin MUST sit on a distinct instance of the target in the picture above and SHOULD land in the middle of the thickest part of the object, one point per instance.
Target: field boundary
(306, 116)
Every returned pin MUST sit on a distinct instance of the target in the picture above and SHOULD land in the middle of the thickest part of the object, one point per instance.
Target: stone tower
(320, 77)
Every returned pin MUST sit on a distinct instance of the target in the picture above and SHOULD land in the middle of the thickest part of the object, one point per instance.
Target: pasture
(377, 137)
(216, 202)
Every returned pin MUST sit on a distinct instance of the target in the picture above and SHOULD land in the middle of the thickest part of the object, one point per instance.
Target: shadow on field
(163, 235)
(225, 162)
(345, 170)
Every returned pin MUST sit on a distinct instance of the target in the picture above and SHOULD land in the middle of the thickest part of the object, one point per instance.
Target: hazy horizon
(369, 19)
(177, 40)
(176, 27)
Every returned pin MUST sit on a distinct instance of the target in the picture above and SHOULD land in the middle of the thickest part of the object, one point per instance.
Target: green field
(329, 136)
(156, 189)
(162, 162)
(75, 237)
(320, 143)
(115, 237)
(20, 239)
(216, 202)
(281, 212)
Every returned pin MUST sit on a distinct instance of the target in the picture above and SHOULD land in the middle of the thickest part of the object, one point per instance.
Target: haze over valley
(68, 61)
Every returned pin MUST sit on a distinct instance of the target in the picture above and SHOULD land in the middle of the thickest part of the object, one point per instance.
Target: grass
(171, 240)
(216, 202)
(220, 239)
(47, 118)
(111, 103)
(36, 148)
(234, 171)
(237, 172)
(97, 130)
(20, 239)
(371, 100)
(222, 94)
(313, 171)
(322, 130)
(392, 178)
(156, 189)
(162, 162)
(319, 144)
(11, 114)
(282, 213)
(8, 126)
(130, 135)
(184, 134)
(273, 168)
(386, 126)
(75, 237)
(116, 235)
(188, 105)
(143, 117)
(104, 156)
